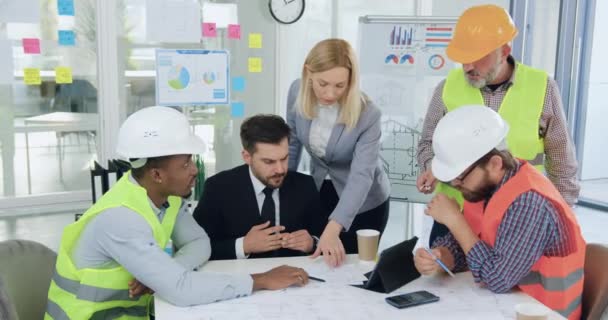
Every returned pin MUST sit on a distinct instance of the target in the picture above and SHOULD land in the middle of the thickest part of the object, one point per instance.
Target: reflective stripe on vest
(104, 293)
(114, 313)
(555, 281)
(90, 293)
(521, 108)
(552, 283)
(574, 308)
(56, 313)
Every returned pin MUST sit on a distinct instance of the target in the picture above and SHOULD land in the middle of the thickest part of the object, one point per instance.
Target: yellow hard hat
(479, 31)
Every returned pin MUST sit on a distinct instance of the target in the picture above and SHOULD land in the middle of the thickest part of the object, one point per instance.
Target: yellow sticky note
(31, 76)
(255, 64)
(255, 40)
(63, 75)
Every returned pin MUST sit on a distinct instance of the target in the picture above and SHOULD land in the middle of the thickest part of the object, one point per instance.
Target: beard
(489, 78)
(274, 181)
(484, 192)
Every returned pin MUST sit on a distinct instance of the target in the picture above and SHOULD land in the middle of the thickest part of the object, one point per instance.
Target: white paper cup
(367, 241)
(531, 311)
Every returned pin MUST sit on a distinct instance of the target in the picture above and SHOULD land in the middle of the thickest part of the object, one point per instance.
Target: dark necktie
(268, 209)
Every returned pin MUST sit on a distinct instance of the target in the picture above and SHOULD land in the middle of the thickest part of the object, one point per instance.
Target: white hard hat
(463, 136)
(155, 132)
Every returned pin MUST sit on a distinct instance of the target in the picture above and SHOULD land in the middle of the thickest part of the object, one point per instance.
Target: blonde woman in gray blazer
(340, 128)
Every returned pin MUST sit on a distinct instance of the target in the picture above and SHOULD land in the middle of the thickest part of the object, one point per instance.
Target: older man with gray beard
(527, 98)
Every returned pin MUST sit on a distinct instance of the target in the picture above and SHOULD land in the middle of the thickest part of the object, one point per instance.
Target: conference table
(460, 297)
(59, 122)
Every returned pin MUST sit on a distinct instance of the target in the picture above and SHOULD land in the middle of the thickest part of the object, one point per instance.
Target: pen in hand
(439, 262)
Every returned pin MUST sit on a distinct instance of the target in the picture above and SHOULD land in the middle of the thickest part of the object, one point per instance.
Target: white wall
(595, 148)
(453, 8)
(294, 42)
(544, 35)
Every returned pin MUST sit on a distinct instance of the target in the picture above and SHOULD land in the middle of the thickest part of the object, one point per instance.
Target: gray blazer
(352, 160)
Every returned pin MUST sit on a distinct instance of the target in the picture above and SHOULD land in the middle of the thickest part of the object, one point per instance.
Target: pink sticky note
(209, 29)
(31, 45)
(234, 31)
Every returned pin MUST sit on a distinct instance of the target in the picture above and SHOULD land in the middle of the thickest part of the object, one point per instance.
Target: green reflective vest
(521, 108)
(104, 293)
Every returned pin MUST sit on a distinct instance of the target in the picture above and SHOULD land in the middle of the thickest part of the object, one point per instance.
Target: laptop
(394, 269)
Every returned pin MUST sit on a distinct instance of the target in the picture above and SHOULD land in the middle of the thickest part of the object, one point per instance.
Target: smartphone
(411, 299)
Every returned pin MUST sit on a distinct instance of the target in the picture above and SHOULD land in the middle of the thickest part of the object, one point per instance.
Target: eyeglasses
(464, 175)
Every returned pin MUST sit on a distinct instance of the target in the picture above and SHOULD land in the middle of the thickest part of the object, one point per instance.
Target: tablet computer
(394, 269)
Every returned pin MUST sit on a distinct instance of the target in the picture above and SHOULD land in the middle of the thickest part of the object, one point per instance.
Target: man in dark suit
(259, 209)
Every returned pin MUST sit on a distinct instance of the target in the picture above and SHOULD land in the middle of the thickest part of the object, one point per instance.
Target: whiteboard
(402, 59)
(192, 77)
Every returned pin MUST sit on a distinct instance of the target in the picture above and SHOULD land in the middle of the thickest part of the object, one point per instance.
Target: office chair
(100, 178)
(7, 310)
(26, 268)
(595, 288)
(78, 96)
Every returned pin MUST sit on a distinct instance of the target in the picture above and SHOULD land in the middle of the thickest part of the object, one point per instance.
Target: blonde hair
(326, 55)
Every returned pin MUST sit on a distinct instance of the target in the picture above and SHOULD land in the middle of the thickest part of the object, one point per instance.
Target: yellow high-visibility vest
(91, 293)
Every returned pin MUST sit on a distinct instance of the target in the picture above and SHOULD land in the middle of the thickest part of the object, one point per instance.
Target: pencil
(441, 264)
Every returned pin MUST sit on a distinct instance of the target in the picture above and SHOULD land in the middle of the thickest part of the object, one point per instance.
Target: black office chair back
(595, 288)
(102, 178)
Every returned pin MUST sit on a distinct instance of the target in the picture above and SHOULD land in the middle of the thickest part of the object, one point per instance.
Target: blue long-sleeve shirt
(531, 228)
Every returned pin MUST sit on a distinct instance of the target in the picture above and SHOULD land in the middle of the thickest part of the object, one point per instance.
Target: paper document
(222, 14)
(345, 274)
(173, 21)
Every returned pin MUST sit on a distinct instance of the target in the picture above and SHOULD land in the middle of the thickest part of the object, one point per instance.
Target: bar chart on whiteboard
(402, 59)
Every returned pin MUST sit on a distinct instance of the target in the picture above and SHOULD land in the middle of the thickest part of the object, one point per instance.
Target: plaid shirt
(560, 161)
(531, 228)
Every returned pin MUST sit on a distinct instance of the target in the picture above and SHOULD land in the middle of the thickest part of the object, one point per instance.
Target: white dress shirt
(258, 188)
(321, 128)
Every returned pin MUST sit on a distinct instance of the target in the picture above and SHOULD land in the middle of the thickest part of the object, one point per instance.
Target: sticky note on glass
(238, 84)
(237, 109)
(66, 38)
(31, 46)
(209, 30)
(234, 31)
(63, 75)
(254, 64)
(65, 7)
(255, 40)
(31, 76)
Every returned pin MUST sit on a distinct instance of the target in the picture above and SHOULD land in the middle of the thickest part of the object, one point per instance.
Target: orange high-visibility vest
(557, 282)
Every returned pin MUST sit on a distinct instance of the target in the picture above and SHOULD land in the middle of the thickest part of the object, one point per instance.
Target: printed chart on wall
(192, 77)
(402, 59)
